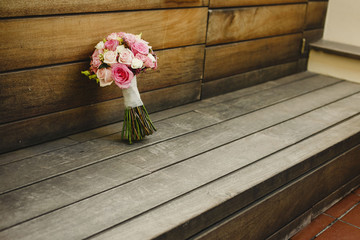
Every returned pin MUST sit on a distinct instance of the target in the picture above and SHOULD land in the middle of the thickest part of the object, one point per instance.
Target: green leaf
(104, 65)
(86, 73)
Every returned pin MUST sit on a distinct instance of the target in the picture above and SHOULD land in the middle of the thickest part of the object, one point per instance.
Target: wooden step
(335, 59)
(213, 164)
(341, 49)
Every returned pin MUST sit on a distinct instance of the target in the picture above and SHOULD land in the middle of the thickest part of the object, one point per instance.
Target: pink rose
(122, 75)
(126, 56)
(97, 52)
(146, 60)
(112, 36)
(121, 34)
(130, 39)
(96, 62)
(105, 76)
(142, 57)
(110, 57)
(140, 47)
(112, 44)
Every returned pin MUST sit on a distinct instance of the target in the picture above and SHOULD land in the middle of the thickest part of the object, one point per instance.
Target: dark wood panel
(243, 80)
(12, 8)
(316, 14)
(44, 90)
(233, 25)
(49, 40)
(235, 3)
(261, 219)
(43, 128)
(226, 60)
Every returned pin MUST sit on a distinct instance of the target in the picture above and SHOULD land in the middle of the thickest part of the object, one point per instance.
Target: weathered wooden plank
(124, 202)
(111, 144)
(243, 80)
(40, 91)
(226, 60)
(231, 25)
(36, 150)
(12, 8)
(316, 14)
(288, 202)
(46, 127)
(197, 210)
(71, 38)
(150, 159)
(238, 3)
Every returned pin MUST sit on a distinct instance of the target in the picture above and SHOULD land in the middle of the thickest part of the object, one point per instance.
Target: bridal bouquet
(119, 58)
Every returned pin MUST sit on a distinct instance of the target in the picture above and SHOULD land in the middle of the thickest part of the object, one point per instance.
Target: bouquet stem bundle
(137, 124)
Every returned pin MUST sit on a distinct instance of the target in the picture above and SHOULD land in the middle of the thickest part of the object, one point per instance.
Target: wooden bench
(252, 164)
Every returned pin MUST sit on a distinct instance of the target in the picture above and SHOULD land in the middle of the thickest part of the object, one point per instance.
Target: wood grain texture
(46, 196)
(12, 8)
(40, 91)
(130, 200)
(288, 202)
(241, 106)
(244, 80)
(238, 3)
(316, 14)
(231, 25)
(46, 127)
(50, 40)
(199, 209)
(226, 60)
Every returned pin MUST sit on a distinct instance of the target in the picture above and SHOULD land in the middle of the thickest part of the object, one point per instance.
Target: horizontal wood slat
(312, 92)
(226, 60)
(288, 202)
(244, 80)
(232, 25)
(46, 127)
(123, 203)
(316, 15)
(235, 3)
(12, 8)
(44, 90)
(50, 40)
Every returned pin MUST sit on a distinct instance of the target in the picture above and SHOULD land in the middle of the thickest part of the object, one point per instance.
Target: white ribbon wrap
(131, 95)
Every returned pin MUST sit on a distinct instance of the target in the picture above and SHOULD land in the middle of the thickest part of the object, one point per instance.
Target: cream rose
(105, 77)
(151, 57)
(120, 48)
(110, 57)
(136, 63)
(100, 45)
(126, 56)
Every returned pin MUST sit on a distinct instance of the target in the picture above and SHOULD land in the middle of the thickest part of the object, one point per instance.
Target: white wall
(343, 22)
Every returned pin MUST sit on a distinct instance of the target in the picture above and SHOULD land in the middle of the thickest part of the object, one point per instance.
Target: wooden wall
(205, 48)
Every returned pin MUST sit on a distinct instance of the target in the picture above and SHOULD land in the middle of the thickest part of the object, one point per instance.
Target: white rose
(151, 57)
(120, 48)
(136, 63)
(100, 45)
(110, 57)
(126, 56)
